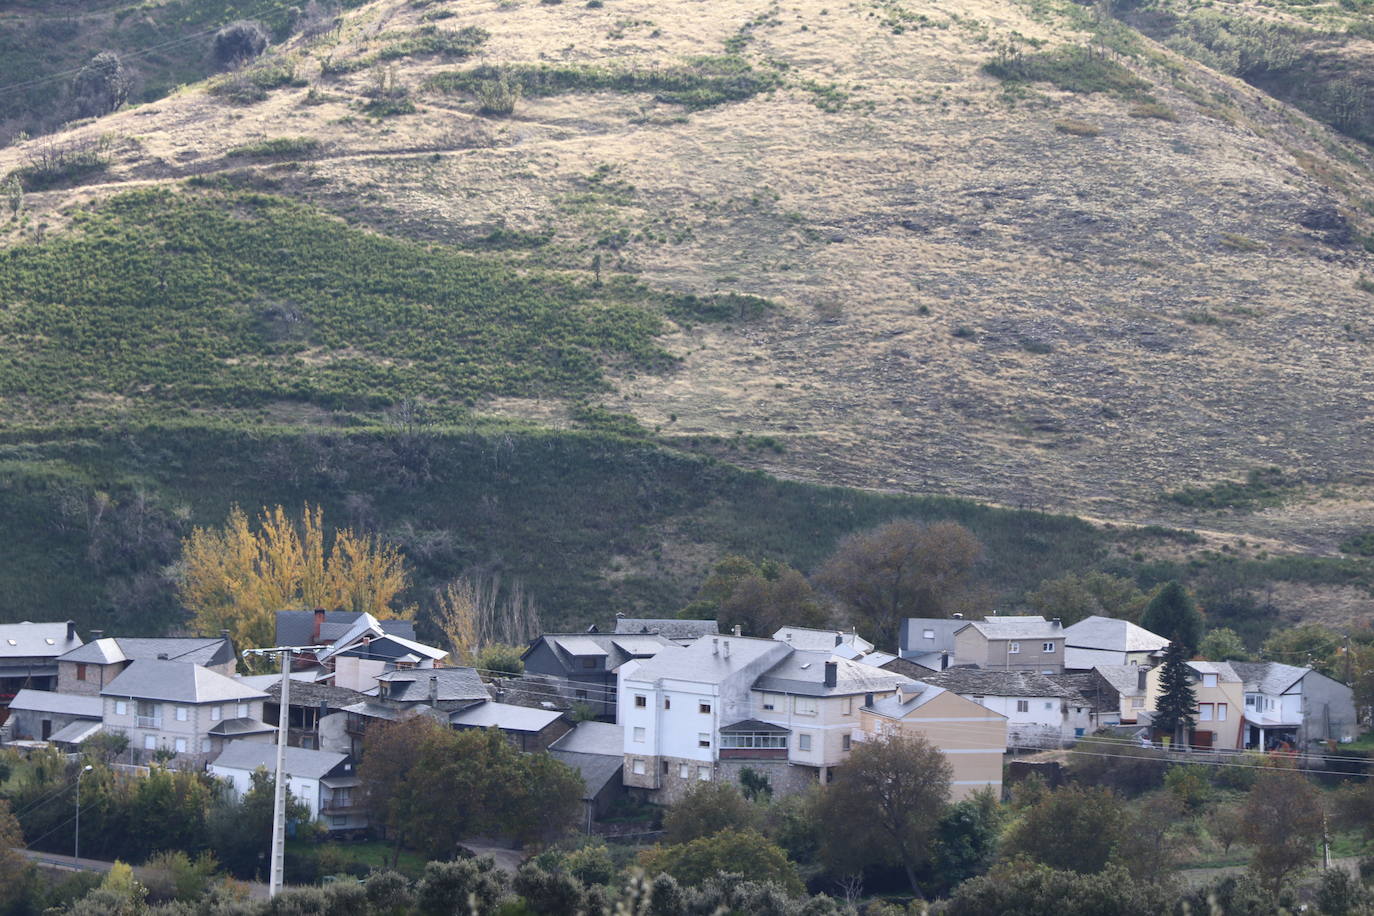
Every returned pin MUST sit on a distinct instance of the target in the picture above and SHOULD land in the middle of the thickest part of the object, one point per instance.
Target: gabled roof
(990, 683)
(1125, 678)
(901, 704)
(814, 639)
(294, 628)
(237, 728)
(1017, 627)
(569, 648)
(182, 682)
(709, 660)
(366, 636)
(1270, 678)
(601, 738)
(505, 717)
(113, 649)
(596, 770)
(310, 693)
(906, 667)
(804, 673)
(1098, 632)
(300, 762)
(411, 685)
(1090, 687)
(754, 726)
(1223, 670)
(37, 640)
(68, 704)
(667, 627)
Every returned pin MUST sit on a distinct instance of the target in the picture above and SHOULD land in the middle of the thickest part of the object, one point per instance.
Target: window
(847, 706)
(80, 671)
(639, 734)
(804, 741)
(181, 713)
(181, 745)
(121, 708)
(845, 742)
(772, 701)
(1023, 705)
(684, 771)
(665, 768)
(804, 706)
(214, 713)
(1204, 712)
(1209, 679)
(704, 707)
(753, 740)
(703, 739)
(339, 820)
(641, 701)
(1049, 704)
(1221, 712)
(588, 663)
(638, 766)
(1137, 702)
(704, 774)
(1047, 648)
(243, 710)
(205, 745)
(1014, 648)
(667, 702)
(150, 742)
(582, 694)
(928, 634)
(1250, 701)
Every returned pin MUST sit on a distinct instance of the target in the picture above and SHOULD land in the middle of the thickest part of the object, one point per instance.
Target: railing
(330, 807)
(148, 721)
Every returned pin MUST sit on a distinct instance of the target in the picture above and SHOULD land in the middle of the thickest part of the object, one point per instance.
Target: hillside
(998, 250)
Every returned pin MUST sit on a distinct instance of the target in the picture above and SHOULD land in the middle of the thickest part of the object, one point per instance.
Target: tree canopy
(1173, 614)
(1073, 597)
(1224, 645)
(1177, 700)
(1283, 821)
(759, 598)
(1073, 829)
(706, 809)
(737, 852)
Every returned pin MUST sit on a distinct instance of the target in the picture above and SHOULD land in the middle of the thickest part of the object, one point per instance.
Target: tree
(1311, 645)
(900, 785)
(1071, 829)
(966, 838)
(707, 809)
(1224, 644)
(240, 41)
(1174, 708)
(501, 659)
(241, 834)
(1073, 597)
(13, 866)
(236, 578)
(473, 613)
(736, 852)
(898, 570)
(1173, 614)
(101, 86)
(1284, 822)
(758, 598)
(1037, 890)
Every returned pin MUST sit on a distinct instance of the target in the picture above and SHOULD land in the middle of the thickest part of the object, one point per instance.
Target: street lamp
(76, 851)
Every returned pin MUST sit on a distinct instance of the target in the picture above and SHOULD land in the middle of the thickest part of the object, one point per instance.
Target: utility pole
(278, 860)
(76, 846)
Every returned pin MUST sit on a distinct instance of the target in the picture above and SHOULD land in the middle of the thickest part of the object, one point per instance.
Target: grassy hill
(1004, 251)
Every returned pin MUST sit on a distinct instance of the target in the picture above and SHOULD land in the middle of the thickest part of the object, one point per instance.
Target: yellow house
(972, 737)
(1220, 713)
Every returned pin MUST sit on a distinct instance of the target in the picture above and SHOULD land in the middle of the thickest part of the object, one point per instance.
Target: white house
(1286, 703)
(324, 781)
(1039, 712)
(1096, 640)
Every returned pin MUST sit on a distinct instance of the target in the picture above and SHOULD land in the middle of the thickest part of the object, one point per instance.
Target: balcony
(148, 721)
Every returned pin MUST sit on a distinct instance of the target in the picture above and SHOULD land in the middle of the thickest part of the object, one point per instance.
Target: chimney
(715, 646)
(71, 631)
(433, 690)
(1058, 622)
(619, 615)
(726, 646)
(944, 660)
(831, 673)
(736, 630)
(839, 639)
(957, 616)
(97, 634)
(223, 634)
(868, 700)
(162, 656)
(315, 630)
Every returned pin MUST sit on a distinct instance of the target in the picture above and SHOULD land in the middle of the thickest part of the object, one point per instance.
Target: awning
(76, 732)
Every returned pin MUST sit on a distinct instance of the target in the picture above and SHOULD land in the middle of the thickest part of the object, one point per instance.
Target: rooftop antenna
(283, 726)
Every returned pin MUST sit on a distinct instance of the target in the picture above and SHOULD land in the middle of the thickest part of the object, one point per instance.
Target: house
(585, 665)
(815, 640)
(1130, 684)
(1102, 696)
(1020, 643)
(679, 631)
(322, 628)
(446, 689)
(929, 641)
(1039, 712)
(28, 657)
(325, 782)
(973, 737)
(183, 709)
(597, 751)
(44, 715)
(360, 655)
(1099, 640)
(1293, 705)
(1220, 696)
(527, 728)
(311, 703)
(88, 668)
(672, 707)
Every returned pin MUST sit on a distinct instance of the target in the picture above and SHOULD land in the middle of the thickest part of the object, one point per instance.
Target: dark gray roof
(1099, 693)
(294, 628)
(198, 650)
(233, 728)
(803, 673)
(1125, 678)
(668, 627)
(1270, 678)
(311, 693)
(37, 640)
(69, 704)
(754, 725)
(154, 679)
(411, 685)
(596, 769)
(590, 737)
(913, 641)
(985, 682)
(907, 668)
(568, 648)
(300, 762)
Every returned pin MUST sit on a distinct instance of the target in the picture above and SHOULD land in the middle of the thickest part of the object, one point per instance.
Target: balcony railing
(148, 721)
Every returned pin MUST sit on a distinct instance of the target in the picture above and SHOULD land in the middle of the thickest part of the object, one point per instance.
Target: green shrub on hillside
(1071, 68)
(431, 39)
(1261, 487)
(278, 146)
(251, 84)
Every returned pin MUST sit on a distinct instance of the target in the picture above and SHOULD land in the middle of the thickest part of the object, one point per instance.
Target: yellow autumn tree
(237, 577)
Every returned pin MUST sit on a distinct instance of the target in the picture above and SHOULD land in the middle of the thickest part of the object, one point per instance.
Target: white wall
(306, 791)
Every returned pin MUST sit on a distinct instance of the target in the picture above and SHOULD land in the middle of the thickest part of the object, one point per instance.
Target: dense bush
(1072, 68)
(102, 85)
(239, 42)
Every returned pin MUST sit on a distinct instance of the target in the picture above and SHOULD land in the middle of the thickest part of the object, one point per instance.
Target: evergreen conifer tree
(1173, 614)
(1174, 708)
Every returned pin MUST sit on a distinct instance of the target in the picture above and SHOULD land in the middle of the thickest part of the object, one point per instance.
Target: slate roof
(617, 650)
(69, 704)
(1017, 627)
(1223, 670)
(1098, 632)
(819, 640)
(312, 693)
(667, 627)
(597, 770)
(985, 682)
(294, 627)
(154, 679)
(505, 717)
(600, 738)
(1099, 696)
(411, 685)
(235, 728)
(37, 640)
(1270, 678)
(899, 705)
(1125, 678)
(754, 725)
(109, 650)
(804, 673)
(706, 660)
(367, 637)
(903, 666)
(300, 762)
